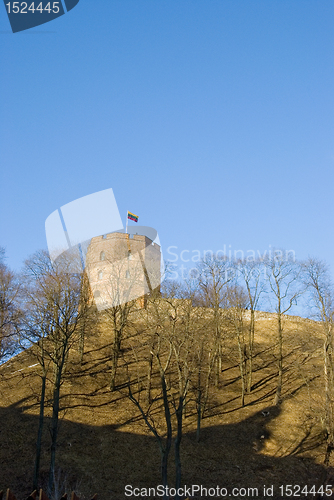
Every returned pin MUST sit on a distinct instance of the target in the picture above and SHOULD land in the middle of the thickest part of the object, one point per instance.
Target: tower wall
(122, 267)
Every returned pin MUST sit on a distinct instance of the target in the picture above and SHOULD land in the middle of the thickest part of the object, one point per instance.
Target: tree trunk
(241, 369)
(179, 412)
(82, 344)
(39, 434)
(59, 367)
(54, 431)
(115, 356)
(149, 379)
(250, 351)
(280, 360)
(165, 454)
(219, 349)
(199, 413)
(218, 363)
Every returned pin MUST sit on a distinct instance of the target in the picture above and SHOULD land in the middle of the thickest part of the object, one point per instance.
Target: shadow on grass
(103, 459)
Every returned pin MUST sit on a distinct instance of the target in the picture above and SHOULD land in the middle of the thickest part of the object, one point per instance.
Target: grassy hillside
(104, 443)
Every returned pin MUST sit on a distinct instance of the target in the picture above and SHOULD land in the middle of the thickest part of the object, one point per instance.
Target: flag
(132, 217)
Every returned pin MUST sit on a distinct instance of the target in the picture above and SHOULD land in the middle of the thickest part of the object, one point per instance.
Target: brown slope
(104, 444)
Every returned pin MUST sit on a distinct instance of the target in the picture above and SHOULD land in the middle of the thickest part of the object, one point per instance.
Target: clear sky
(211, 120)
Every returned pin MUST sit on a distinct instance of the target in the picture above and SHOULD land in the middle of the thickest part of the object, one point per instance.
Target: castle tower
(122, 267)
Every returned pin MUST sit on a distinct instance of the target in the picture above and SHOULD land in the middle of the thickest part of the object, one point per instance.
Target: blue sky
(211, 120)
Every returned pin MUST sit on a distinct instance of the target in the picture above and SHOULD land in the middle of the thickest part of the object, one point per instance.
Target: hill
(104, 443)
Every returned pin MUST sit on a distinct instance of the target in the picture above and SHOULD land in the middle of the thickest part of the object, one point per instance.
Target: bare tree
(214, 274)
(10, 310)
(172, 324)
(203, 361)
(251, 273)
(35, 330)
(158, 350)
(57, 308)
(118, 321)
(236, 301)
(316, 278)
(181, 338)
(282, 274)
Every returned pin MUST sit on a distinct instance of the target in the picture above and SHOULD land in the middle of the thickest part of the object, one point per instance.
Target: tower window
(100, 275)
(102, 256)
(129, 255)
(127, 274)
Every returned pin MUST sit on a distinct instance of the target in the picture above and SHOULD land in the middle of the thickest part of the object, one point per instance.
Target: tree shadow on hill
(102, 459)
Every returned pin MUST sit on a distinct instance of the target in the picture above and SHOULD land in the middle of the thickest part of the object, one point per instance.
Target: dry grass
(104, 444)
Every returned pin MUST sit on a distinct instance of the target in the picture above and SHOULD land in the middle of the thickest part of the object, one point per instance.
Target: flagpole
(126, 224)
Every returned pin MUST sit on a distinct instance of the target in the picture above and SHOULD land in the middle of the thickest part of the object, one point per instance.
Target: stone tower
(122, 267)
